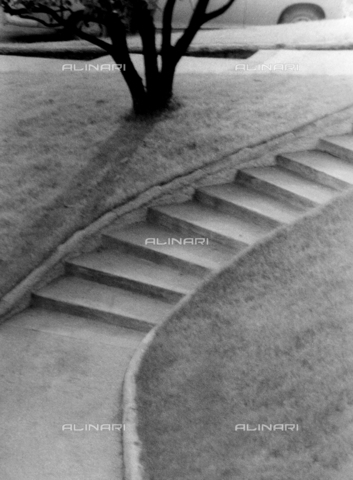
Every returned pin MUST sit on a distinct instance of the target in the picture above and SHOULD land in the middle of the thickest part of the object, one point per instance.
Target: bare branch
(189, 33)
(167, 25)
(216, 13)
(121, 55)
(147, 31)
(69, 23)
(199, 17)
(107, 5)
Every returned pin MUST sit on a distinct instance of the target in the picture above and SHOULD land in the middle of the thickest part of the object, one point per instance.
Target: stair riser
(275, 191)
(157, 257)
(239, 211)
(125, 283)
(191, 229)
(80, 311)
(336, 150)
(312, 174)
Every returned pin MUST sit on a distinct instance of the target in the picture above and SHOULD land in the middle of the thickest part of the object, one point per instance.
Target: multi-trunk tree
(155, 91)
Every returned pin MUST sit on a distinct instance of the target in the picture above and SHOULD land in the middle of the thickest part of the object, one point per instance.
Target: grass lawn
(267, 341)
(70, 152)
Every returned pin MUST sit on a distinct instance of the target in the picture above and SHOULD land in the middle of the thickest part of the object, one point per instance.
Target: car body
(258, 12)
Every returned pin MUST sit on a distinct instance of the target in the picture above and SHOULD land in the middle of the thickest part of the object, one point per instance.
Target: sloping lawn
(268, 341)
(70, 151)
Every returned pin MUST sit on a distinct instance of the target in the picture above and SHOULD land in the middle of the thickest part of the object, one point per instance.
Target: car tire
(302, 13)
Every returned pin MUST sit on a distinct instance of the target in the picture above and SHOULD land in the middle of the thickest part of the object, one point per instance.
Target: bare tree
(155, 92)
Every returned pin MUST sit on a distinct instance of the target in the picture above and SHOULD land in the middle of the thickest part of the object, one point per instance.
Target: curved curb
(133, 468)
(77, 50)
(132, 444)
(60, 50)
(83, 51)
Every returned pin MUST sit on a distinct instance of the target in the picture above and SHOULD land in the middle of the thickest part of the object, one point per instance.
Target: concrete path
(58, 370)
(323, 34)
(264, 62)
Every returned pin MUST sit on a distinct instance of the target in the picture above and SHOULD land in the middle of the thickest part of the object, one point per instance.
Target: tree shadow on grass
(112, 176)
(103, 176)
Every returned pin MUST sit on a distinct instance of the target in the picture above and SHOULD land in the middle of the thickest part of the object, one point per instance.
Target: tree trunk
(121, 56)
(166, 84)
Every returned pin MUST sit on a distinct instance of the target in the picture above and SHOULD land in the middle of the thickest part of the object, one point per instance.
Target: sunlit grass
(267, 341)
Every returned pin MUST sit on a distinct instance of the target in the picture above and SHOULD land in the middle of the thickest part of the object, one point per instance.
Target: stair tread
(324, 162)
(70, 325)
(345, 141)
(241, 230)
(254, 200)
(134, 268)
(113, 300)
(293, 183)
(207, 256)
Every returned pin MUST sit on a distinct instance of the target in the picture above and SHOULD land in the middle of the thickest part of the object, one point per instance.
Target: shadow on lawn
(99, 184)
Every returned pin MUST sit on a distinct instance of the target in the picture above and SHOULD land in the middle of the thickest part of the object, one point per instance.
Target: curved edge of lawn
(73, 50)
(76, 50)
(132, 444)
(137, 389)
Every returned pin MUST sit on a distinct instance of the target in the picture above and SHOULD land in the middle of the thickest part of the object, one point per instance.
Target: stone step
(77, 327)
(340, 146)
(319, 166)
(194, 259)
(77, 296)
(117, 269)
(244, 202)
(286, 185)
(194, 218)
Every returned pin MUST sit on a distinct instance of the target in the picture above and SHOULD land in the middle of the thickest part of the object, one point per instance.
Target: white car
(258, 12)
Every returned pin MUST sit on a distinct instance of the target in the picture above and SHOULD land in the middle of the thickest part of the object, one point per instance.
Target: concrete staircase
(141, 272)
(63, 360)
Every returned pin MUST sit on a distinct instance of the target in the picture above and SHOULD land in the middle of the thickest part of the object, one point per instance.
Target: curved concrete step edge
(132, 445)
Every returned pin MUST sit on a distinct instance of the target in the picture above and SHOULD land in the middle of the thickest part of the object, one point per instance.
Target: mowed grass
(70, 151)
(269, 340)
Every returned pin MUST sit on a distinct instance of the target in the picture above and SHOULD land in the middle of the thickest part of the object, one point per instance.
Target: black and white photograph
(176, 239)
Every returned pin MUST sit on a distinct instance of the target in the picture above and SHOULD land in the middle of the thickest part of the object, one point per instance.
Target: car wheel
(302, 13)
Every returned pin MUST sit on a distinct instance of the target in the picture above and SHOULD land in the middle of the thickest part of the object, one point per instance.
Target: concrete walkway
(57, 370)
(323, 34)
(264, 62)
